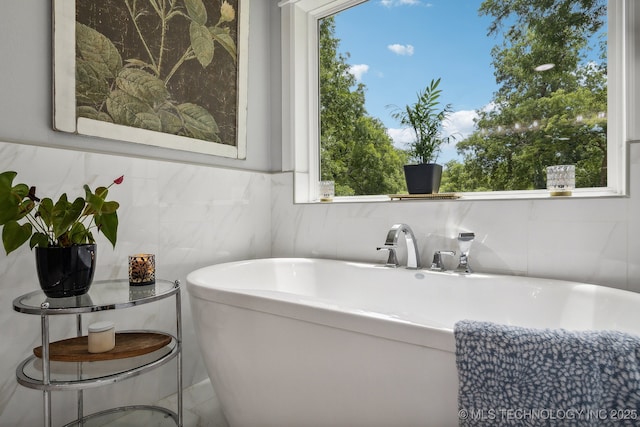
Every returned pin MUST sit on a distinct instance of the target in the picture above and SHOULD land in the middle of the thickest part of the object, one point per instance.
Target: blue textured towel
(515, 376)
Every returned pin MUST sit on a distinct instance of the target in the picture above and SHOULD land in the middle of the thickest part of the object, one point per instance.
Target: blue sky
(397, 46)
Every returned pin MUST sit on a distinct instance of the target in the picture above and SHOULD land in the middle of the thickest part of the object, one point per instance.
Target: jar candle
(142, 269)
(102, 337)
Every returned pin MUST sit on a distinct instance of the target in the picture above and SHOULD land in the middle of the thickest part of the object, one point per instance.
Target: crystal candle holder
(327, 191)
(561, 180)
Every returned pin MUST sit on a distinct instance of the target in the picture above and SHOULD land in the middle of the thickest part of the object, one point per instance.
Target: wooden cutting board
(128, 344)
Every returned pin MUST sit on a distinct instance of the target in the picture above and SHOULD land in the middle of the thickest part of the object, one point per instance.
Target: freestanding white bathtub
(311, 342)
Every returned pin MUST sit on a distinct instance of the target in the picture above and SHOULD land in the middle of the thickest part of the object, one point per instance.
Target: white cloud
(492, 106)
(401, 49)
(460, 124)
(358, 70)
(401, 137)
(393, 3)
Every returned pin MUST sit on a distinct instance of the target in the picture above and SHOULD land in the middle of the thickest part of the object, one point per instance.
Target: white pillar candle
(102, 337)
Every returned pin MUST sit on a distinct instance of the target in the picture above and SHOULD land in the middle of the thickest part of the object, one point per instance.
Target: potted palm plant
(60, 232)
(425, 118)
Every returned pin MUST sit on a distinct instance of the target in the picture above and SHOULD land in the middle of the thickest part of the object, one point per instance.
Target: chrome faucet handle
(464, 243)
(392, 261)
(436, 264)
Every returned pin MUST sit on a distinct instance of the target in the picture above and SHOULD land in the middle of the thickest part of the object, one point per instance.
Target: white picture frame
(65, 95)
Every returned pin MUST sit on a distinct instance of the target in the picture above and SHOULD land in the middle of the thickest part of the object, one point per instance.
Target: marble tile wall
(588, 240)
(189, 216)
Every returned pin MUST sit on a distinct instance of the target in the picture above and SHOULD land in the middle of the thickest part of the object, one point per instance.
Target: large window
(528, 90)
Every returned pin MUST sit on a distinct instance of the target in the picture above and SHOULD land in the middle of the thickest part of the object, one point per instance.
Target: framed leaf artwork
(167, 73)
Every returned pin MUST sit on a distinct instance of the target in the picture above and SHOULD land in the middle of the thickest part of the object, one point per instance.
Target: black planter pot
(423, 178)
(66, 272)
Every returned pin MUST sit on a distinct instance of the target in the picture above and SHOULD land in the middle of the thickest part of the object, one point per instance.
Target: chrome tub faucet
(464, 243)
(391, 244)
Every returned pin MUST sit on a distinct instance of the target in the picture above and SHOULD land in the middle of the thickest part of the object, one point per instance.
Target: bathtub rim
(439, 337)
(432, 336)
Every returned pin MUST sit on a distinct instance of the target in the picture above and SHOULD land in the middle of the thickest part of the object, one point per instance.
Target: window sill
(581, 193)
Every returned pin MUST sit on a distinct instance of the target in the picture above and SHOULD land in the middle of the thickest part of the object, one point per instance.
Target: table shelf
(126, 416)
(42, 373)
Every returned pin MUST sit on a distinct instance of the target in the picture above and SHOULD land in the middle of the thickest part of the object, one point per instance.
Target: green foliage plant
(540, 118)
(135, 91)
(426, 118)
(25, 217)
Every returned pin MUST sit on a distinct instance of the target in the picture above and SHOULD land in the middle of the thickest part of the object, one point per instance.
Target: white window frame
(300, 98)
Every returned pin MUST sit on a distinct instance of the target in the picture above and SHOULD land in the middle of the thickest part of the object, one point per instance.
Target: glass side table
(43, 373)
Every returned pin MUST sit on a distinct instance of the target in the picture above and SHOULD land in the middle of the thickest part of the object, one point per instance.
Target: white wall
(25, 88)
(189, 216)
(191, 211)
(587, 240)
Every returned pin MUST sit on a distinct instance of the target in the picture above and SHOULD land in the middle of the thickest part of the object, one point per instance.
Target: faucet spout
(413, 255)
(464, 243)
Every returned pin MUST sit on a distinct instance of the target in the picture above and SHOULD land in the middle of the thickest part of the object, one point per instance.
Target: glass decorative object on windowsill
(327, 191)
(561, 180)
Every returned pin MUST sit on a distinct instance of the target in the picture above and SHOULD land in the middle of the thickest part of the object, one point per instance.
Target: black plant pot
(66, 272)
(423, 178)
